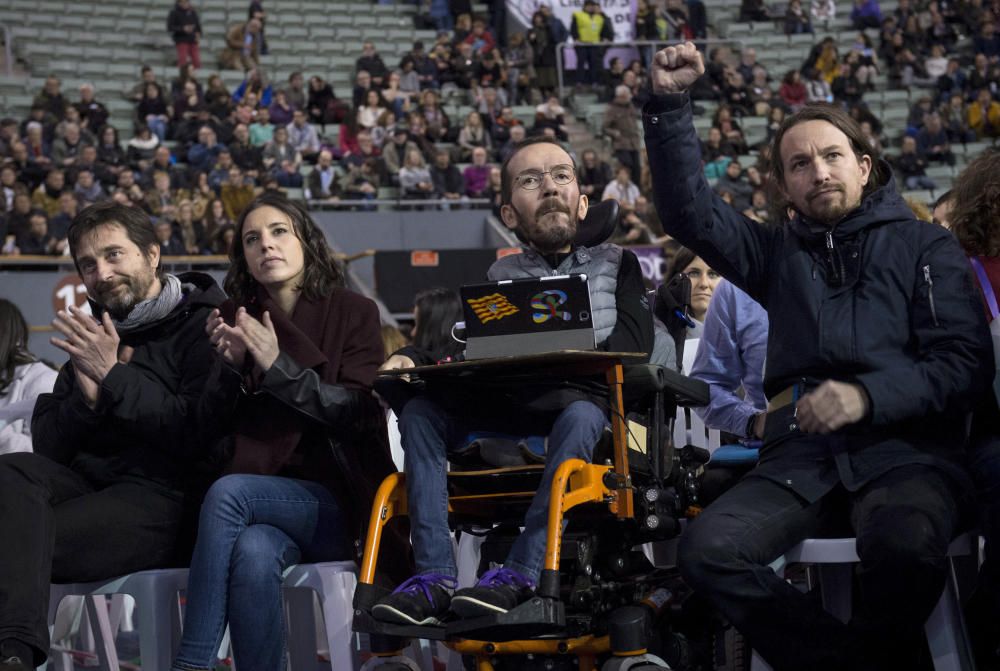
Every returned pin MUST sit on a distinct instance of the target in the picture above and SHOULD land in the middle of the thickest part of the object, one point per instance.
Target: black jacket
(882, 300)
(177, 19)
(148, 425)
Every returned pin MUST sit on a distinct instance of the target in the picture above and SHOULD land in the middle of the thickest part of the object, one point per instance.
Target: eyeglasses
(529, 180)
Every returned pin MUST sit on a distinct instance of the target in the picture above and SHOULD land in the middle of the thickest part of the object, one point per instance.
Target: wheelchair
(600, 602)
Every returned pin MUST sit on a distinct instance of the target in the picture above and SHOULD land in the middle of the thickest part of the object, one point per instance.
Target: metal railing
(362, 203)
(656, 44)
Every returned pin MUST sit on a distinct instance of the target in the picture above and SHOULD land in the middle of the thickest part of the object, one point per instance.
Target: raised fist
(676, 68)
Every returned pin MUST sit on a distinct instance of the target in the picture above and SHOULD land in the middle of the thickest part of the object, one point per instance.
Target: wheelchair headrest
(599, 224)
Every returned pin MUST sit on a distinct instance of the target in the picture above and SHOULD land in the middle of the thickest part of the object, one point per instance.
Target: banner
(621, 13)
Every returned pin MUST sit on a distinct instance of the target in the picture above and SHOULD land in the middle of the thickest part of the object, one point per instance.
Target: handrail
(315, 203)
(625, 45)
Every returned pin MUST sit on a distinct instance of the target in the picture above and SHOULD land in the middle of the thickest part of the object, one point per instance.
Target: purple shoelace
(424, 582)
(504, 576)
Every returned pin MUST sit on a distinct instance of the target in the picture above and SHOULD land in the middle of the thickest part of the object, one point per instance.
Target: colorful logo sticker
(494, 306)
(548, 302)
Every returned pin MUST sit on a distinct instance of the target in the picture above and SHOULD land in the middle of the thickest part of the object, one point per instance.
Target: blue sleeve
(720, 363)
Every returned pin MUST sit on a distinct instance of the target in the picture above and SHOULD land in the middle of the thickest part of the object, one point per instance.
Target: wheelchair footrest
(535, 617)
(364, 623)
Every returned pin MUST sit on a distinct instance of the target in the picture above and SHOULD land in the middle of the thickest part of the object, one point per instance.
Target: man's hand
(92, 345)
(397, 362)
(676, 68)
(830, 406)
(90, 389)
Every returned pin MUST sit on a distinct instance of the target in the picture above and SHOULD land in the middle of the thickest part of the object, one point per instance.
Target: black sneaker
(16, 656)
(421, 600)
(498, 591)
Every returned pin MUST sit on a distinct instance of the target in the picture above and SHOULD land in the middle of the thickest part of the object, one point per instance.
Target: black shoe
(498, 591)
(421, 600)
(16, 656)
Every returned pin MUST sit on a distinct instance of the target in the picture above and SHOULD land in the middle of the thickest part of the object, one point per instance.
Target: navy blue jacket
(883, 300)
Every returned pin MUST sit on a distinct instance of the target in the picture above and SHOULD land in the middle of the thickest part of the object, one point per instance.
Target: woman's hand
(230, 347)
(259, 337)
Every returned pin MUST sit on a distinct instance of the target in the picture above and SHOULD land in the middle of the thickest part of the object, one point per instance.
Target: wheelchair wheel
(645, 662)
(390, 664)
(732, 651)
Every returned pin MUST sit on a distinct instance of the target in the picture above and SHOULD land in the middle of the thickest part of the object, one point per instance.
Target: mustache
(823, 189)
(103, 287)
(551, 205)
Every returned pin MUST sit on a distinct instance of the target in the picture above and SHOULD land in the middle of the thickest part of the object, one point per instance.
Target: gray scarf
(153, 309)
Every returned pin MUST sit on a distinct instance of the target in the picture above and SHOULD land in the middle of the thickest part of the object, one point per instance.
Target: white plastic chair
(947, 637)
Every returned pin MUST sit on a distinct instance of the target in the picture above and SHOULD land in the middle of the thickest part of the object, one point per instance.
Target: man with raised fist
(877, 348)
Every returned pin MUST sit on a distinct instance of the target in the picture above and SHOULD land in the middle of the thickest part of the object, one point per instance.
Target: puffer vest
(600, 264)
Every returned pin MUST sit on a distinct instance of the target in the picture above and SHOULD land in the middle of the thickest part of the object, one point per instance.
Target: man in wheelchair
(542, 203)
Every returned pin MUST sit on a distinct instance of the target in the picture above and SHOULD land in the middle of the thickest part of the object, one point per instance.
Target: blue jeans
(251, 528)
(429, 433)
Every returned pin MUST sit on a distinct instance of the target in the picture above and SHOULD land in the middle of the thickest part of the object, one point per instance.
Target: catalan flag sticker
(492, 307)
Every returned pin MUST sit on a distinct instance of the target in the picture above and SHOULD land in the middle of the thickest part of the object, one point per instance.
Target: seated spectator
(19, 217)
(872, 136)
(480, 39)
(323, 106)
(153, 111)
(550, 114)
(217, 98)
(414, 177)
(397, 98)
(952, 81)
(87, 189)
(161, 200)
(371, 62)
(187, 102)
(730, 128)
(910, 166)
(362, 182)
(37, 240)
(203, 155)
(418, 133)
(932, 141)
(373, 108)
(473, 135)
(736, 184)
(793, 92)
(51, 100)
(306, 321)
(213, 223)
(462, 67)
(936, 64)
(817, 88)
(822, 12)
(243, 42)
(282, 160)
(236, 192)
(796, 19)
(489, 102)
(620, 123)
(93, 115)
(362, 84)
(987, 41)
(163, 161)
(983, 74)
(261, 130)
(189, 229)
(477, 174)
(753, 10)
(846, 88)
(940, 33)
(438, 123)
(254, 82)
(622, 189)
(394, 152)
(22, 379)
(516, 137)
(302, 135)
(170, 244)
(280, 111)
(59, 224)
(146, 76)
(984, 115)
(66, 149)
(866, 14)
(365, 148)
(593, 175)
(39, 150)
(322, 184)
(245, 155)
(220, 170)
(448, 181)
(955, 119)
(46, 196)
(295, 91)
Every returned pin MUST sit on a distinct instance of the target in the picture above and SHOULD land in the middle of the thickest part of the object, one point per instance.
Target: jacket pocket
(930, 293)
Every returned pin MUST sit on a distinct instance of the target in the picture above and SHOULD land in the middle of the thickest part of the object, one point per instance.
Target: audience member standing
(185, 30)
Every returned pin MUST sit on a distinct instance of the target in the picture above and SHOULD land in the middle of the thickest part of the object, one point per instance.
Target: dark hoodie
(882, 300)
(147, 426)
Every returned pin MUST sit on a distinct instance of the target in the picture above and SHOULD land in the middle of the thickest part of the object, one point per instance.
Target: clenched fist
(676, 68)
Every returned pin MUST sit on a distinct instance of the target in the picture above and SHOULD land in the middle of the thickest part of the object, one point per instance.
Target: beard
(552, 228)
(828, 209)
(120, 296)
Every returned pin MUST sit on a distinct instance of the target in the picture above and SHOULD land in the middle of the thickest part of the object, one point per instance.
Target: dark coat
(148, 424)
(882, 300)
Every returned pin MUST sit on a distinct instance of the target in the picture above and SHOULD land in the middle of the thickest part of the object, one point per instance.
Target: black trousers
(904, 522)
(55, 526)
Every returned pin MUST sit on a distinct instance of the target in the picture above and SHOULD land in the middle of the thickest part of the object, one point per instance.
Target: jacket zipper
(930, 293)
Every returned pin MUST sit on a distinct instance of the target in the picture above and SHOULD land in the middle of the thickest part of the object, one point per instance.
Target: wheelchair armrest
(643, 379)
